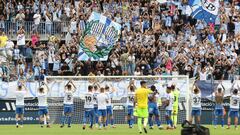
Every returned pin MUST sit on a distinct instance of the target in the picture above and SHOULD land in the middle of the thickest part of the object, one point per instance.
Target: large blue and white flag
(206, 10)
(98, 38)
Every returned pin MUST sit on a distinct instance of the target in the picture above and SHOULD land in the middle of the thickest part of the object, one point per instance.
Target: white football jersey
(170, 98)
(196, 100)
(68, 97)
(89, 100)
(102, 99)
(20, 97)
(130, 98)
(42, 99)
(234, 102)
(95, 98)
(109, 95)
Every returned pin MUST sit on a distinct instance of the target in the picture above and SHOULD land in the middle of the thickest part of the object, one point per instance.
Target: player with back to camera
(196, 105)
(234, 107)
(153, 108)
(109, 92)
(102, 100)
(169, 106)
(95, 93)
(176, 93)
(70, 89)
(219, 109)
(130, 103)
(88, 107)
(43, 105)
(20, 94)
(141, 106)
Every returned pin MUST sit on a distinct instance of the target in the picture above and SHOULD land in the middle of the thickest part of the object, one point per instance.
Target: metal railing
(43, 29)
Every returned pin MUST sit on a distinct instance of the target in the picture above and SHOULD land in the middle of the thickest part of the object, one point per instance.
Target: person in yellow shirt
(3, 40)
(176, 93)
(141, 105)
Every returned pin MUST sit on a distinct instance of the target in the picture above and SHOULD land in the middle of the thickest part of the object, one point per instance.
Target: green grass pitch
(77, 130)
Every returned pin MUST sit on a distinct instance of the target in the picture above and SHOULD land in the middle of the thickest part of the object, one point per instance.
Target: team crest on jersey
(98, 38)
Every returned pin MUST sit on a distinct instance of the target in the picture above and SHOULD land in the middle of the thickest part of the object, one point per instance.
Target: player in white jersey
(109, 93)
(70, 89)
(169, 102)
(95, 93)
(130, 104)
(234, 108)
(20, 94)
(196, 105)
(88, 107)
(43, 105)
(102, 100)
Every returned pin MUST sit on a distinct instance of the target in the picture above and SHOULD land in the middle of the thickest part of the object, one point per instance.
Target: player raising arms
(176, 93)
(169, 107)
(43, 105)
(219, 109)
(70, 89)
(130, 103)
(20, 94)
(234, 108)
(196, 105)
(88, 107)
(102, 100)
(141, 106)
(95, 93)
(153, 108)
(109, 93)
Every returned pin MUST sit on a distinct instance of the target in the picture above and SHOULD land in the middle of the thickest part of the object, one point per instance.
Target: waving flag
(99, 36)
(206, 10)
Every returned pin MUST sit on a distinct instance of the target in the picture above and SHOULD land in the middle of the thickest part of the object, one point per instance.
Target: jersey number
(235, 102)
(131, 98)
(88, 99)
(196, 100)
(69, 97)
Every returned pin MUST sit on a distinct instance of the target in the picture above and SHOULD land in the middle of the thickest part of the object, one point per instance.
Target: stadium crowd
(156, 39)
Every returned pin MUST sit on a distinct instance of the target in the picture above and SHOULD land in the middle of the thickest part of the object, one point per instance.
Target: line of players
(218, 97)
(98, 105)
(170, 103)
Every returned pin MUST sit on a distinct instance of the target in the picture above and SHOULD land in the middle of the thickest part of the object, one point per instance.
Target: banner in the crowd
(208, 87)
(206, 10)
(98, 38)
(7, 90)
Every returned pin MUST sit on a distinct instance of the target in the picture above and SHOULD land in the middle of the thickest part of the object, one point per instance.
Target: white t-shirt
(102, 101)
(203, 75)
(196, 100)
(9, 45)
(42, 99)
(20, 97)
(95, 97)
(170, 98)
(89, 100)
(68, 97)
(37, 18)
(234, 102)
(130, 98)
(109, 95)
(21, 39)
